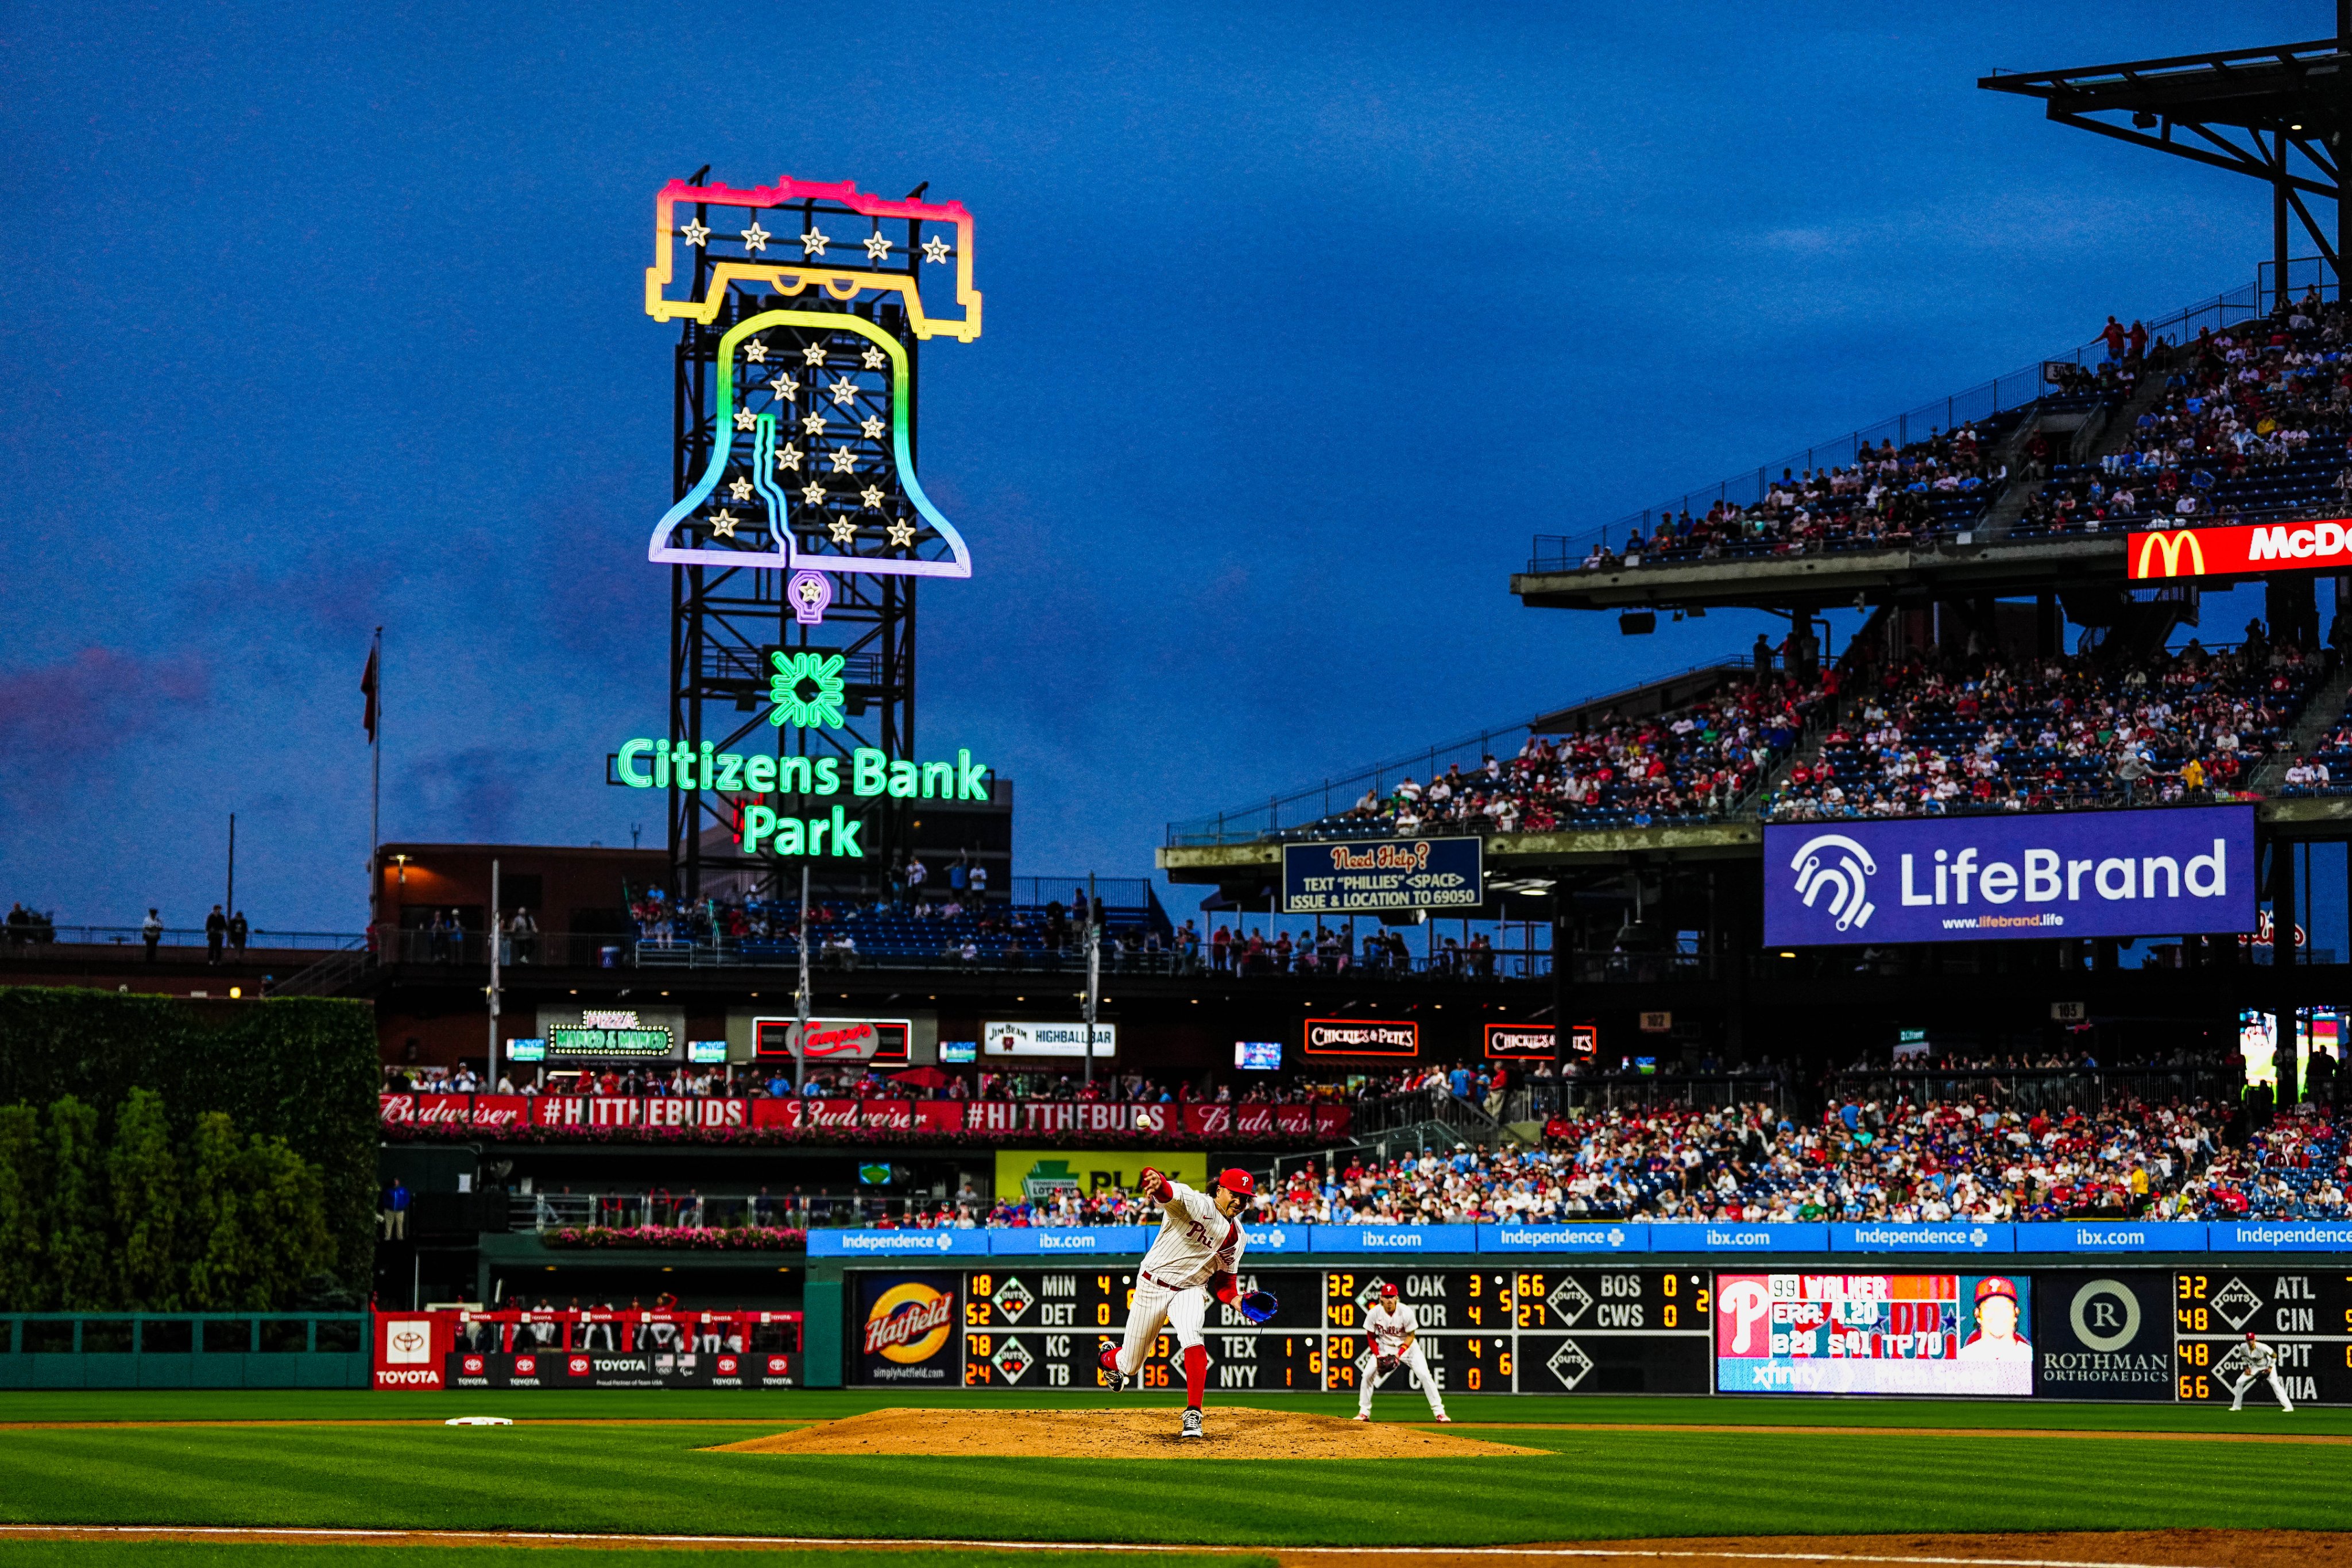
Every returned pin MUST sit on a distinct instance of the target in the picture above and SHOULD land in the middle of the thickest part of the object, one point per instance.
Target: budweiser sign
(2320, 544)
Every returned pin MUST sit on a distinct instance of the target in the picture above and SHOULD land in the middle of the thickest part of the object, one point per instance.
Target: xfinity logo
(1835, 864)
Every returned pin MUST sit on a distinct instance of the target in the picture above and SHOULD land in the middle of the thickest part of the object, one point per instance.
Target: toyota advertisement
(2181, 872)
(1873, 1333)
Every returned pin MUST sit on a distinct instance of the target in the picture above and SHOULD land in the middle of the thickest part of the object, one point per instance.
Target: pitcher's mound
(1232, 1432)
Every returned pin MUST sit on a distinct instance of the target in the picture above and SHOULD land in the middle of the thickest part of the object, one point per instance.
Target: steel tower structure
(798, 526)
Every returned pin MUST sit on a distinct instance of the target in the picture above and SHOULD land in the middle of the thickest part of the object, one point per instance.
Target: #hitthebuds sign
(1977, 878)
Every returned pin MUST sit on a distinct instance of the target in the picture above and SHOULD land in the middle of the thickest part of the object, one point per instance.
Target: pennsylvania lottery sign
(1974, 879)
(1370, 877)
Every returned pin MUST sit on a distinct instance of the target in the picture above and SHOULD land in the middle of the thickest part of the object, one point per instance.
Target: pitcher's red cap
(1238, 1181)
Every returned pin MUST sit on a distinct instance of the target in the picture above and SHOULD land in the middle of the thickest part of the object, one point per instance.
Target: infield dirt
(1231, 1432)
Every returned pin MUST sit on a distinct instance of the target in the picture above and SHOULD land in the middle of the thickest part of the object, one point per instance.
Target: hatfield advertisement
(906, 1328)
(1975, 879)
(1872, 1334)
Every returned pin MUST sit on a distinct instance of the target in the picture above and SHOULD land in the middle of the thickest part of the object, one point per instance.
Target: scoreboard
(2305, 1315)
(1482, 1330)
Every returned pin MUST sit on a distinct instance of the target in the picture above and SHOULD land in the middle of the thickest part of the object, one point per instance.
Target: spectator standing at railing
(150, 932)
(215, 933)
(238, 932)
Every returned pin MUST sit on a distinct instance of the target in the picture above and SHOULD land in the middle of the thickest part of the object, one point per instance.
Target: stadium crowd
(2052, 733)
(1684, 764)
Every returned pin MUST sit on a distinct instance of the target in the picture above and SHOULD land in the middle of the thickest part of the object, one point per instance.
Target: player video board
(2304, 1314)
(1873, 1333)
(1577, 1330)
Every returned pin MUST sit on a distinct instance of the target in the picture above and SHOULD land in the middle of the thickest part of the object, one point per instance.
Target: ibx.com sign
(1976, 879)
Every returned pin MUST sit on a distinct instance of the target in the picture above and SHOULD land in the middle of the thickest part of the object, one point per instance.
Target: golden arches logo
(2171, 544)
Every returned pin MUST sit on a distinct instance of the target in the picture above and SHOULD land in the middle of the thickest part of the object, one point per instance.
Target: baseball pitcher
(2262, 1361)
(1391, 1335)
(1194, 1257)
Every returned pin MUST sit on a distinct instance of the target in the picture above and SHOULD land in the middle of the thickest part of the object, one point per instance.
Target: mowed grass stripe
(823, 1405)
(1594, 1485)
(309, 1555)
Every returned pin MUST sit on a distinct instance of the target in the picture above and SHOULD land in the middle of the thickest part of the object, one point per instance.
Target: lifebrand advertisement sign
(2188, 871)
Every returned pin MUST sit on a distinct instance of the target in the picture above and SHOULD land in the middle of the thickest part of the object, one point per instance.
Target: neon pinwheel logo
(1834, 865)
(807, 690)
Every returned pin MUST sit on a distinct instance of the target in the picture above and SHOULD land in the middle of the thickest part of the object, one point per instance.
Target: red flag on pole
(367, 687)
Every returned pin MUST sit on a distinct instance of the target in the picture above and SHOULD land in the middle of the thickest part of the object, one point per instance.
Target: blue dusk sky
(1301, 320)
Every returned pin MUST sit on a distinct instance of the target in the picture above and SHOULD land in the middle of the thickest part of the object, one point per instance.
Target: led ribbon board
(812, 446)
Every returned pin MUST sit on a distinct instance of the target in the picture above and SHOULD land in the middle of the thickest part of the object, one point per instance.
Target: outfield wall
(1974, 1326)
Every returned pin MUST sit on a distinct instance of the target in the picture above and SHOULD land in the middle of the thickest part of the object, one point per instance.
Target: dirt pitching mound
(1232, 1432)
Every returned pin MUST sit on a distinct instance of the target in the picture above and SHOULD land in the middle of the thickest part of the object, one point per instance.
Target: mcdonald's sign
(2317, 544)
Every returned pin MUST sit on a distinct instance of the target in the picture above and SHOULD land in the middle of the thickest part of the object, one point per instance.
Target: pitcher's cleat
(1446, 1420)
(1115, 1380)
(1363, 1418)
(1192, 1424)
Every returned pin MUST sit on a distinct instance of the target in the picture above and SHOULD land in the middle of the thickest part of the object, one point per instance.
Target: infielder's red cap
(1388, 1287)
(2250, 1333)
(1238, 1181)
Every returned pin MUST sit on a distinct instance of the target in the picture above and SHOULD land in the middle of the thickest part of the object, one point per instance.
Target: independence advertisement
(1976, 879)
(1872, 1334)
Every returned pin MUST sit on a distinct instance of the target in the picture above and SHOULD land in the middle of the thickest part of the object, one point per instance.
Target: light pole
(800, 1040)
(1094, 973)
(491, 991)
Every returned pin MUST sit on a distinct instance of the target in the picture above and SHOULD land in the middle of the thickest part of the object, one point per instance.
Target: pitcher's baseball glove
(1257, 1305)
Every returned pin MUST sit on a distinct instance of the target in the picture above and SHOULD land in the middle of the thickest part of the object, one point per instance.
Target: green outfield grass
(243, 1554)
(651, 1476)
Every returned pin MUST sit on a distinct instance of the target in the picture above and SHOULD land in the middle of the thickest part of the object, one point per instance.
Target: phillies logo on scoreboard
(2323, 544)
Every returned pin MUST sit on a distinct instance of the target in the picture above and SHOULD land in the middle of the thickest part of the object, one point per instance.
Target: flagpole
(375, 784)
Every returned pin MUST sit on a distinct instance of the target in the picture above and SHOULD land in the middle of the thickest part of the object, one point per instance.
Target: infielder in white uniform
(2262, 1361)
(1392, 1335)
(1194, 1257)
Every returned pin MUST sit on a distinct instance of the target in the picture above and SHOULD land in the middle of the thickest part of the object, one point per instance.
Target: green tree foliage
(26, 1282)
(234, 1223)
(142, 1177)
(303, 1069)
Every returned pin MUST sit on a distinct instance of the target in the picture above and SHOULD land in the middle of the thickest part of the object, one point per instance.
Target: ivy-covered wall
(300, 1069)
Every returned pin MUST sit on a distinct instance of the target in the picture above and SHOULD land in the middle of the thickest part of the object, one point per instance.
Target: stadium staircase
(2321, 714)
(1808, 749)
(2098, 431)
(330, 976)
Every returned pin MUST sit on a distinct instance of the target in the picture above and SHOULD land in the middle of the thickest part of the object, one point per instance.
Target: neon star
(789, 458)
(845, 459)
(739, 489)
(842, 530)
(843, 389)
(872, 426)
(874, 358)
(755, 351)
(813, 353)
(784, 387)
(935, 249)
(814, 242)
(722, 522)
(755, 237)
(812, 493)
(871, 495)
(745, 419)
(695, 232)
(902, 534)
(813, 425)
(876, 248)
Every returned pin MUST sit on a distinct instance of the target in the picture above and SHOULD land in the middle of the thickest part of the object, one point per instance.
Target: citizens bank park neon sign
(804, 693)
(2322, 544)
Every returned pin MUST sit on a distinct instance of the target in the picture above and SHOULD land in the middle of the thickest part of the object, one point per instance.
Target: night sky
(1300, 322)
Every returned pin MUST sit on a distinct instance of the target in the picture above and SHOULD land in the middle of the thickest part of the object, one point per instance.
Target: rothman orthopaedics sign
(2187, 871)
(2320, 544)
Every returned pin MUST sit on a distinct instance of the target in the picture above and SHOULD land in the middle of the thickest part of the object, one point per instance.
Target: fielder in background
(1194, 1257)
(2262, 1361)
(1391, 1335)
